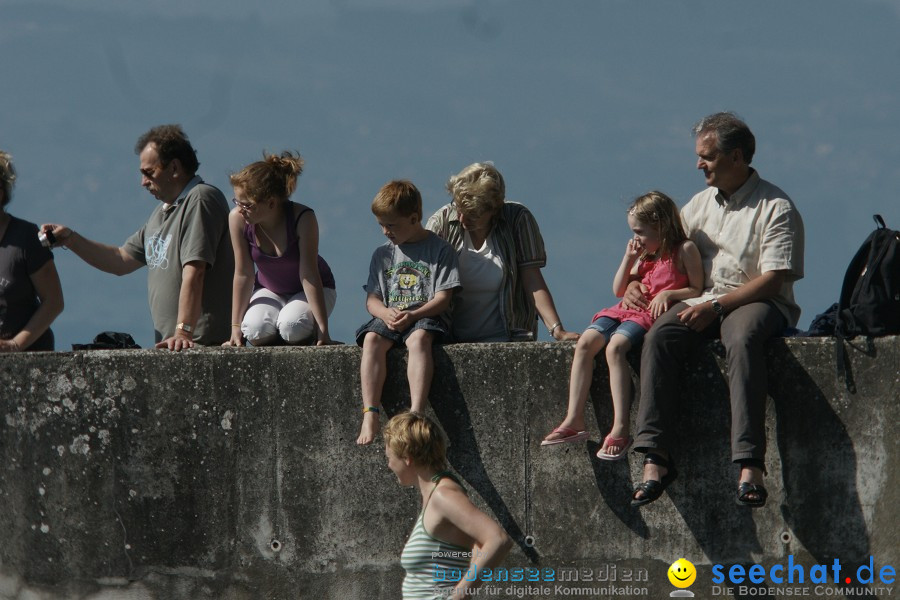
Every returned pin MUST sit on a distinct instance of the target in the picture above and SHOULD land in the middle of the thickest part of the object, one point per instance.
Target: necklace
(275, 248)
(284, 215)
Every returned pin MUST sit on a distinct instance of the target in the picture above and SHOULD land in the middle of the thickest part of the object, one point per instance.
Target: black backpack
(108, 340)
(870, 296)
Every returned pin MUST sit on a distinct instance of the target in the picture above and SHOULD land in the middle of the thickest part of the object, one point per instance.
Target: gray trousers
(669, 344)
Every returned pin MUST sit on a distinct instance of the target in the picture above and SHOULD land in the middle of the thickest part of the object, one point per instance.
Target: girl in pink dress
(660, 256)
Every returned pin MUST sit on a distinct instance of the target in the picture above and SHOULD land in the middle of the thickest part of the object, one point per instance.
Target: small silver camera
(46, 238)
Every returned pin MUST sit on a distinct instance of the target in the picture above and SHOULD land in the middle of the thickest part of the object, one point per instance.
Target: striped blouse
(520, 245)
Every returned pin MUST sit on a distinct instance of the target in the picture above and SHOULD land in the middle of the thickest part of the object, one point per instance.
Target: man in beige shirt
(750, 238)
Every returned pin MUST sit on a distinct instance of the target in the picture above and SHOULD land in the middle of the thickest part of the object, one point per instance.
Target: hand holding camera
(46, 237)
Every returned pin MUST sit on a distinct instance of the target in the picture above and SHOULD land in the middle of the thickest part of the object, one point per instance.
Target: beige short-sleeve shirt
(755, 231)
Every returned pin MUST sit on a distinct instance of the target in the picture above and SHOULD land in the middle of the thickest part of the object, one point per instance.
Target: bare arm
(452, 516)
(635, 296)
(767, 285)
(375, 306)
(49, 290)
(761, 288)
(403, 319)
(690, 263)
(110, 259)
(189, 305)
(308, 233)
(627, 271)
(242, 284)
(534, 284)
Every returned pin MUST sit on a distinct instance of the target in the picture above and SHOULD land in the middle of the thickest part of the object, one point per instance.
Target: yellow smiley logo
(682, 573)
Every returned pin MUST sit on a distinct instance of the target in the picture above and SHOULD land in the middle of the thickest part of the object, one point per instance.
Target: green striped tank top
(431, 564)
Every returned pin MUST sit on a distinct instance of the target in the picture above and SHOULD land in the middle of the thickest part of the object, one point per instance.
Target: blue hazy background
(581, 104)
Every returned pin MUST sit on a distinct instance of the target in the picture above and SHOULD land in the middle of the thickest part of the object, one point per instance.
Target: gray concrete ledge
(233, 473)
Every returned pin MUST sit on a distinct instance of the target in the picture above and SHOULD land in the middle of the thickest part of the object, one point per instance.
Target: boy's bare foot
(371, 425)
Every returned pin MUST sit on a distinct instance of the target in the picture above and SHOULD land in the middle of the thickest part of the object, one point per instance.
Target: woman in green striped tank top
(452, 540)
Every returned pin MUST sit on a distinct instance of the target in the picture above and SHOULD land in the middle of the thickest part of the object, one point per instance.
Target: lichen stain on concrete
(104, 403)
(226, 420)
(129, 384)
(112, 386)
(39, 417)
(80, 445)
(104, 436)
(58, 387)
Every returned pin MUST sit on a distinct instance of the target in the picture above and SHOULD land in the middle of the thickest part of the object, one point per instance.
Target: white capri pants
(270, 316)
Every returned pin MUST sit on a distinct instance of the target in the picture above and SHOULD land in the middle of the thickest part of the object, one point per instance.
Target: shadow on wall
(817, 459)
(819, 466)
(725, 532)
(448, 403)
(706, 505)
(452, 411)
(613, 478)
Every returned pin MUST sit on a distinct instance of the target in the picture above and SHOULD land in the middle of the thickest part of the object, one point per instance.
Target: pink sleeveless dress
(658, 275)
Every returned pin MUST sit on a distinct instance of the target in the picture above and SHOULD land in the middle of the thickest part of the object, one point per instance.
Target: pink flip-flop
(569, 435)
(623, 443)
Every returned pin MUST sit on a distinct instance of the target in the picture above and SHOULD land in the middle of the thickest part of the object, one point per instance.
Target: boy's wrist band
(372, 409)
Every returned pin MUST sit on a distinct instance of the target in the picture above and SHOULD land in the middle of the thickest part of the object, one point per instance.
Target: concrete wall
(233, 473)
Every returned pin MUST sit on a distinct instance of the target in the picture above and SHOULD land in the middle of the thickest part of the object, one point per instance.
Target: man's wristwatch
(185, 328)
(720, 310)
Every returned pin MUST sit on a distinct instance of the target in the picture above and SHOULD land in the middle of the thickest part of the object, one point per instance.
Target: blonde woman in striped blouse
(452, 541)
(501, 254)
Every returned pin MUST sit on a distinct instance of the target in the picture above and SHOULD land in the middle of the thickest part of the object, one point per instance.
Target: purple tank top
(281, 274)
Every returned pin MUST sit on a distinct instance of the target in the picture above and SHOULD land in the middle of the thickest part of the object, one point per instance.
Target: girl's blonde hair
(656, 209)
(418, 438)
(273, 177)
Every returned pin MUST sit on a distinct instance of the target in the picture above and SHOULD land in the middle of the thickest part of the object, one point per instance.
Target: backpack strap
(843, 320)
(840, 359)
